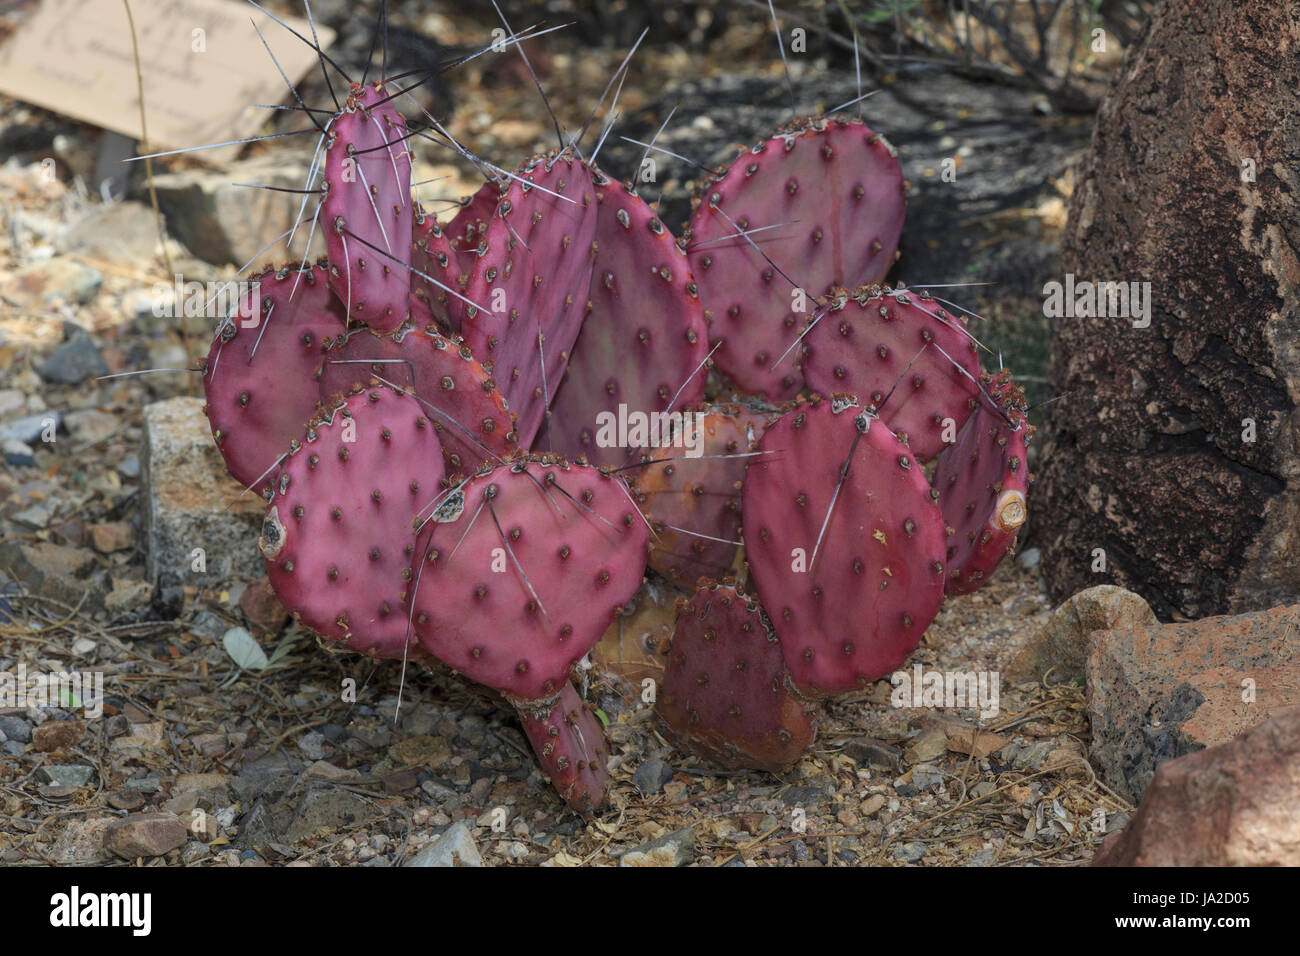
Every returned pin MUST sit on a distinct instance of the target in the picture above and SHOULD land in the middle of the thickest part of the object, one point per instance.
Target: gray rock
(192, 508)
(30, 428)
(909, 852)
(455, 847)
(671, 849)
(193, 851)
(1028, 559)
(982, 857)
(17, 454)
(12, 402)
(805, 797)
(72, 775)
(1032, 757)
(224, 223)
(150, 783)
(43, 284)
(36, 516)
(312, 745)
(82, 841)
(651, 776)
(12, 748)
(874, 753)
(15, 728)
(288, 812)
(122, 232)
(91, 425)
(76, 360)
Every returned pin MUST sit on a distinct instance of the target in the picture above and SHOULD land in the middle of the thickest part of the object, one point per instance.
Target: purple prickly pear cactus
(465, 407)
(726, 692)
(845, 544)
(366, 212)
(259, 380)
(570, 745)
(531, 275)
(469, 224)
(878, 342)
(522, 570)
(693, 503)
(643, 340)
(339, 537)
(827, 195)
(983, 482)
(435, 267)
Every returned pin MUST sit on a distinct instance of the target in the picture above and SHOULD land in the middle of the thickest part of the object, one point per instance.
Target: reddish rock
(1156, 693)
(145, 835)
(262, 608)
(57, 735)
(111, 536)
(1230, 805)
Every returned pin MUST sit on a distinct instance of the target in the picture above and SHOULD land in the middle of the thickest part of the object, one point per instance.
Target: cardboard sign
(203, 66)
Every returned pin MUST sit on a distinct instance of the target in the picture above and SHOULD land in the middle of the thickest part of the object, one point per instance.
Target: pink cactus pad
(832, 191)
(878, 342)
(983, 483)
(366, 213)
(726, 694)
(259, 380)
(849, 607)
(435, 268)
(338, 536)
(523, 570)
(570, 745)
(700, 495)
(469, 225)
(644, 340)
(468, 414)
(531, 277)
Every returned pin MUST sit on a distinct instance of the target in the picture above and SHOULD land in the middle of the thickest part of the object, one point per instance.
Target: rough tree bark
(1191, 184)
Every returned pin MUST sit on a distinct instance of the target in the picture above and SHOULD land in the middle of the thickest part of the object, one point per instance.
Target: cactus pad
(831, 192)
(461, 400)
(983, 482)
(570, 745)
(339, 537)
(875, 342)
(531, 275)
(524, 571)
(367, 213)
(849, 607)
(259, 380)
(643, 341)
(726, 693)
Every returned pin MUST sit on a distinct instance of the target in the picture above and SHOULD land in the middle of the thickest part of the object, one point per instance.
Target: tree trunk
(1177, 452)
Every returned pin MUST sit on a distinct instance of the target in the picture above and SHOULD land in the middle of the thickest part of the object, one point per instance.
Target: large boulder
(1158, 692)
(1231, 805)
(1176, 456)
